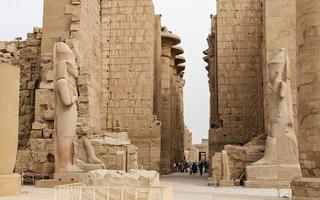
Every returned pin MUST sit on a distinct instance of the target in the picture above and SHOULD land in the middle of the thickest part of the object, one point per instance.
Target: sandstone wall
(308, 60)
(239, 72)
(128, 75)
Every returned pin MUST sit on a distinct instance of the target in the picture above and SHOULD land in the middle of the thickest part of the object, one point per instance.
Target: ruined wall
(128, 75)
(239, 72)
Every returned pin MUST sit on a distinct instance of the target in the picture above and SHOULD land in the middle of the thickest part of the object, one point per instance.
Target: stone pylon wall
(308, 61)
(128, 75)
(239, 72)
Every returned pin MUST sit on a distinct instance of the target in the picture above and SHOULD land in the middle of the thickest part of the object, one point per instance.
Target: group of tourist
(191, 167)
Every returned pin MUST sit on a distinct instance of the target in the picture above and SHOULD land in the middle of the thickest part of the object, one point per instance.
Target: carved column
(9, 124)
(308, 75)
(179, 126)
(168, 40)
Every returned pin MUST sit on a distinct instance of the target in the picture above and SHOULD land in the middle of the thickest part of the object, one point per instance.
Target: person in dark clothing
(201, 168)
(194, 168)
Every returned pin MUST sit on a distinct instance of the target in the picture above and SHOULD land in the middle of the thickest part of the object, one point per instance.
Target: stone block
(38, 126)
(48, 115)
(36, 134)
(47, 133)
(46, 85)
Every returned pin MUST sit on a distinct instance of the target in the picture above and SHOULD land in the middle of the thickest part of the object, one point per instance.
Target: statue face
(274, 71)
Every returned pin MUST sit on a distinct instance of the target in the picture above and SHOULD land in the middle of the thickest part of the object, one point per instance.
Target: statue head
(276, 67)
(65, 62)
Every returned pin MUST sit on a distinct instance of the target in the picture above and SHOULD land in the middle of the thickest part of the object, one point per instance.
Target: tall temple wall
(239, 73)
(128, 78)
(308, 76)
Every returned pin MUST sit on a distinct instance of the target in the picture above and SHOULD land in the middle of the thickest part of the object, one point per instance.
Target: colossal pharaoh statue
(66, 97)
(281, 159)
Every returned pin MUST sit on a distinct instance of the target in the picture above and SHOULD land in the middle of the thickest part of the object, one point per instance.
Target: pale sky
(190, 19)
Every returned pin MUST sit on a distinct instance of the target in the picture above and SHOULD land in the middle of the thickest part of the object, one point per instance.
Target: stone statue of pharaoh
(281, 144)
(66, 98)
(280, 163)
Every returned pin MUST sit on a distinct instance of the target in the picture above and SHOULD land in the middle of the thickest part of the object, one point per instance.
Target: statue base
(10, 185)
(271, 176)
(305, 188)
(69, 176)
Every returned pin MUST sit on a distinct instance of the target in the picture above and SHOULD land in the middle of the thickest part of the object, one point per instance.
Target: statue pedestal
(10, 185)
(270, 176)
(305, 188)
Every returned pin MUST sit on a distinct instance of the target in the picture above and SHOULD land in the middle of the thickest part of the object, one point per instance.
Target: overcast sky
(190, 19)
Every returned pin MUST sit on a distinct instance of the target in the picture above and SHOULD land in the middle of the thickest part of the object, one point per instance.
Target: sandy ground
(194, 187)
(185, 187)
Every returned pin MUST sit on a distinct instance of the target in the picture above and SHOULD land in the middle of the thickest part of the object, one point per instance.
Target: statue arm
(64, 92)
(283, 89)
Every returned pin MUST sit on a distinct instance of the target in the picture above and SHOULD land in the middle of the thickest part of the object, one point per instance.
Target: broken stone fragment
(38, 126)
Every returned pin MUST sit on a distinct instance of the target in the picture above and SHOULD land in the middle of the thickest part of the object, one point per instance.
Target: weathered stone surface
(133, 178)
